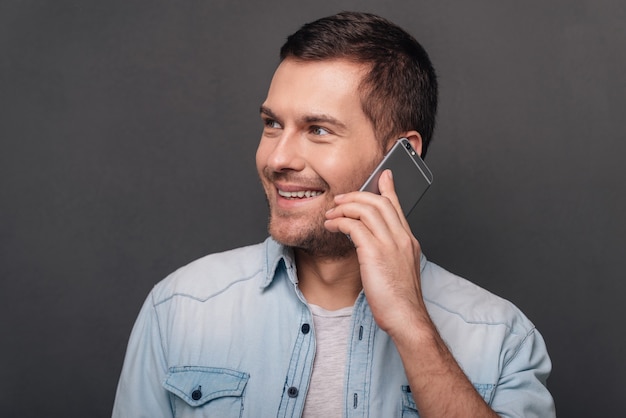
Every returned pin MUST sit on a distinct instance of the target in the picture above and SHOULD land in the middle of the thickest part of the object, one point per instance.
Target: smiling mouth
(300, 194)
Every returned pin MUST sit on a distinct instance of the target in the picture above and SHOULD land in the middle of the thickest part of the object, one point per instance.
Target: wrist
(418, 329)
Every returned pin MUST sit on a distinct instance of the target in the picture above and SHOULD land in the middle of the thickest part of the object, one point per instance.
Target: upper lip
(297, 188)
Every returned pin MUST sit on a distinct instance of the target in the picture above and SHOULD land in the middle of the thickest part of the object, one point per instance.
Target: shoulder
(449, 295)
(494, 343)
(212, 274)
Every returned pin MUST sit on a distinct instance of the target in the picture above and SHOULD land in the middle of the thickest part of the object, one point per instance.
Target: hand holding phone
(410, 174)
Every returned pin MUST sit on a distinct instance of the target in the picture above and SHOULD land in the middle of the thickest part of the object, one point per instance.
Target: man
(313, 323)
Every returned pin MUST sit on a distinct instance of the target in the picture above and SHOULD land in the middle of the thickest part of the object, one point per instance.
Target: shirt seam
(519, 347)
(210, 296)
(468, 321)
(161, 339)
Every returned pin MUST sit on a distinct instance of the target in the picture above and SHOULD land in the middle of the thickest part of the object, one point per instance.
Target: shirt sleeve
(522, 390)
(140, 391)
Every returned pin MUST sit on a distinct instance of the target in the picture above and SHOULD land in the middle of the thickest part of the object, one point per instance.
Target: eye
(271, 123)
(318, 130)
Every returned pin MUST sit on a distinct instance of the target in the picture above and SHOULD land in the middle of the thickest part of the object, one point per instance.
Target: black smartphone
(411, 176)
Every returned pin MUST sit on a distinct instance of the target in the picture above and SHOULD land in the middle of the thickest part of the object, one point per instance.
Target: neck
(331, 283)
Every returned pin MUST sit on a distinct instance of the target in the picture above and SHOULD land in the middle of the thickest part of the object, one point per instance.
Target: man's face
(316, 143)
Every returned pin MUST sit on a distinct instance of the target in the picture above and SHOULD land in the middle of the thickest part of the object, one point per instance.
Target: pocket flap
(198, 385)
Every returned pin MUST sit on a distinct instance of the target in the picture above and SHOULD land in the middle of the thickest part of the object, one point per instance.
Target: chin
(315, 241)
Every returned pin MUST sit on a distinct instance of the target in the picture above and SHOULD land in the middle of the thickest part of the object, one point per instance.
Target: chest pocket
(206, 391)
(409, 409)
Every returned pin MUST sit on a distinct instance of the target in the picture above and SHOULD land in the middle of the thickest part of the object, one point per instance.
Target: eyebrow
(308, 119)
(268, 112)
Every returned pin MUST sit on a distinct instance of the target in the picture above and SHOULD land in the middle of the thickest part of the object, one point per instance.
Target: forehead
(328, 87)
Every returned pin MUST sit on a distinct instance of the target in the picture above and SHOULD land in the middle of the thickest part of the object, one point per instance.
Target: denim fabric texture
(224, 337)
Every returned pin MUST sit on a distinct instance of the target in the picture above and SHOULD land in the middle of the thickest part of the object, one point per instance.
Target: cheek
(348, 174)
(260, 157)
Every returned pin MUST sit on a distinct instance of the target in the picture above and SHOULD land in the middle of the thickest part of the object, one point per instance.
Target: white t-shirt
(325, 396)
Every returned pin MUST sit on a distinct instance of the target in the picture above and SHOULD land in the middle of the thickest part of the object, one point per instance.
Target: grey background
(128, 131)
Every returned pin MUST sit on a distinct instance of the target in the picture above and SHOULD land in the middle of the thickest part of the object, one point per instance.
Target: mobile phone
(411, 176)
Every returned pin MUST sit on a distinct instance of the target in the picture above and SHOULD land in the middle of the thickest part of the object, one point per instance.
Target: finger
(353, 228)
(391, 218)
(365, 211)
(367, 199)
(372, 212)
(387, 189)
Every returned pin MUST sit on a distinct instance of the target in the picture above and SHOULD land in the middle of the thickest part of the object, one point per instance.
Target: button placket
(359, 367)
(300, 368)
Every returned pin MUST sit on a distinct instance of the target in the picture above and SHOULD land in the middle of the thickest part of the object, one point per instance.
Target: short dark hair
(399, 92)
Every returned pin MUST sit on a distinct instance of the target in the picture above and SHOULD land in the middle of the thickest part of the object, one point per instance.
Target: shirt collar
(274, 254)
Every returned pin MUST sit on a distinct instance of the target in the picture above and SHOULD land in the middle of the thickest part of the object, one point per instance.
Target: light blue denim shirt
(230, 335)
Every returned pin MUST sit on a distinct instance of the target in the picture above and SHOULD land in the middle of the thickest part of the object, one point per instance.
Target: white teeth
(299, 194)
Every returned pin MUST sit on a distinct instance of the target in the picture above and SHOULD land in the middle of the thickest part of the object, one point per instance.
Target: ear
(415, 139)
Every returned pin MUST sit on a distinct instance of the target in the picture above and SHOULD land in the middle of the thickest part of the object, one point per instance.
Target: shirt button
(305, 328)
(292, 392)
(196, 394)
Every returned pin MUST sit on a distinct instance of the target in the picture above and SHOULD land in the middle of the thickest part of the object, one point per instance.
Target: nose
(285, 153)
